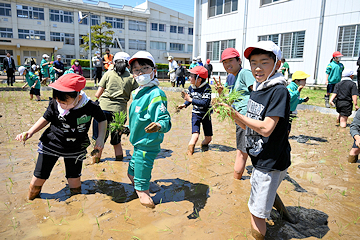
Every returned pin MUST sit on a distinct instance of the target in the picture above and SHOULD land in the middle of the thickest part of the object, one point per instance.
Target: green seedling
(135, 238)
(118, 122)
(197, 215)
(49, 206)
(341, 228)
(14, 223)
(311, 179)
(97, 222)
(328, 197)
(165, 230)
(343, 192)
(321, 174)
(126, 216)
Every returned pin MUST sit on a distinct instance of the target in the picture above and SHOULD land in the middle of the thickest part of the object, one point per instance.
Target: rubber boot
(74, 191)
(278, 204)
(119, 158)
(327, 101)
(352, 158)
(191, 149)
(34, 191)
(256, 235)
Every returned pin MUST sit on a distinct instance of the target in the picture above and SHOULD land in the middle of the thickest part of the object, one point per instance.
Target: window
(66, 38)
(30, 12)
(154, 26)
(264, 2)
(291, 44)
(177, 47)
(137, 44)
(31, 34)
(215, 49)
(349, 40)
(218, 7)
(116, 43)
(137, 26)
(67, 59)
(191, 31)
(116, 22)
(181, 30)
(161, 27)
(6, 32)
(158, 45)
(172, 29)
(190, 48)
(61, 16)
(95, 20)
(69, 39)
(5, 9)
(81, 40)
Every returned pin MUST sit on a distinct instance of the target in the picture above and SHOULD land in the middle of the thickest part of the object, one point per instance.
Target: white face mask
(76, 63)
(144, 78)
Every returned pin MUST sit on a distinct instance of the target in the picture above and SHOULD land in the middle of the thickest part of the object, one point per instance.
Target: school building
(307, 31)
(28, 29)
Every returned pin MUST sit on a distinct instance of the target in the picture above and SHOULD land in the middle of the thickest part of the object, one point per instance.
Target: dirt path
(196, 197)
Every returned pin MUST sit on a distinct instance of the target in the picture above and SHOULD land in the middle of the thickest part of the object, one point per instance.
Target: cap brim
(60, 87)
(248, 51)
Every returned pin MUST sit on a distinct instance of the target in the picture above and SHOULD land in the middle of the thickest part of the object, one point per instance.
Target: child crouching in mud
(69, 113)
(200, 97)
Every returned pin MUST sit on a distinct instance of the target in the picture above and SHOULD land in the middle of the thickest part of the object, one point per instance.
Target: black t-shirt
(345, 90)
(69, 134)
(273, 152)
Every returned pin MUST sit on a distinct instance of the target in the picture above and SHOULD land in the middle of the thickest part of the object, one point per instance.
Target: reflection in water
(179, 190)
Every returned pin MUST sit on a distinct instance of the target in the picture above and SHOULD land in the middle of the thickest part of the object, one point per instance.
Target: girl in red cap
(333, 75)
(69, 113)
(200, 97)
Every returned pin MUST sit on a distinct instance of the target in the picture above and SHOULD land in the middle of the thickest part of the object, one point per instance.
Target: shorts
(344, 108)
(330, 87)
(240, 139)
(35, 91)
(172, 77)
(263, 191)
(197, 119)
(115, 138)
(45, 163)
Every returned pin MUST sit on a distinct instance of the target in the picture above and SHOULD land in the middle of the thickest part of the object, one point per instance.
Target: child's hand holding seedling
(181, 106)
(153, 127)
(22, 137)
(186, 96)
(218, 86)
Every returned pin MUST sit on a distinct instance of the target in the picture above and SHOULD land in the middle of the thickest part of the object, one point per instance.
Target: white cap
(21, 70)
(45, 55)
(269, 46)
(198, 58)
(170, 57)
(142, 55)
(121, 55)
(347, 73)
(58, 56)
(34, 66)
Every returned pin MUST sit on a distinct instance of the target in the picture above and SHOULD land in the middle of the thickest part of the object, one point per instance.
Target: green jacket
(149, 105)
(244, 79)
(294, 96)
(334, 70)
(31, 78)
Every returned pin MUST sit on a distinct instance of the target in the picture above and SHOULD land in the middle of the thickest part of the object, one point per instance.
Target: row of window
(215, 49)
(173, 29)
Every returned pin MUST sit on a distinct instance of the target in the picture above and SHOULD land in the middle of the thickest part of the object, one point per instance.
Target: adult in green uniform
(114, 92)
(44, 66)
(149, 119)
(333, 75)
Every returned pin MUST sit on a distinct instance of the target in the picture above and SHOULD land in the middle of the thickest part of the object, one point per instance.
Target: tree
(101, 36)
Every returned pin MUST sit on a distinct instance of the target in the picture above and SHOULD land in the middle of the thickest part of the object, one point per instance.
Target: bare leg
(35, 187)
(343, 121)
(353, 155)
(240, 163)
(38, 97)
(37, 181)
(192, 143)
(75, 185)
(145, 198)
(31, 96)
(207, 140)
(118, 152)
(258, 226)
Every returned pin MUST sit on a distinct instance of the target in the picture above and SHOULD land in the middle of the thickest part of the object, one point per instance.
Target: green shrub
(83, 62)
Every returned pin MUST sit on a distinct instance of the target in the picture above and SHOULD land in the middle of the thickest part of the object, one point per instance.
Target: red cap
(69, 83)
(200, 70)
(207, 61)
(229, 53)
(337, 54)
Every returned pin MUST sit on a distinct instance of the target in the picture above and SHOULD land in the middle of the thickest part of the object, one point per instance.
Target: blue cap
(97, 52)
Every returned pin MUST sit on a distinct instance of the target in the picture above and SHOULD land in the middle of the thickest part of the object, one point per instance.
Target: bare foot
(145, 199)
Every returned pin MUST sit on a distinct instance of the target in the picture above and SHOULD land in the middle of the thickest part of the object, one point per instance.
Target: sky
(183, 6)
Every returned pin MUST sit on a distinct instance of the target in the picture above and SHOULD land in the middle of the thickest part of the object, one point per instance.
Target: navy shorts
(35, 91)
(330, 87)
(115, 136)
(197, 119)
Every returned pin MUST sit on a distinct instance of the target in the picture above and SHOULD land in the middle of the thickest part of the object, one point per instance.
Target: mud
(196, 197)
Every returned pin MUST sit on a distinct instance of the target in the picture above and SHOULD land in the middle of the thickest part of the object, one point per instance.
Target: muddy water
(196, 197)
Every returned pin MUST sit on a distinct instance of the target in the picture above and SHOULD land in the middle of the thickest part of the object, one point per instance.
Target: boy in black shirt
(346, 93)
(70, 112)
(200, 97)
(266, 124)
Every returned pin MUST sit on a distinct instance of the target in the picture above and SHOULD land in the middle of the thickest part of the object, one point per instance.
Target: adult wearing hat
(44, 66)
(244, 81)
(345, 93)
(172, 68)
(58, 67)
(114, 92)
(333, 75)
(98, 67)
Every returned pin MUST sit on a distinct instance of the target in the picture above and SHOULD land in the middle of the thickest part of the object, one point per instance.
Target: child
(69, 114)
(333, 75)
(266, 123)
(355, 133)
(148, 121)
(200, 97)
(33, 81)
(70, 70)
(295, 87)
(52, 74)
(44, 66)
(345, 93)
